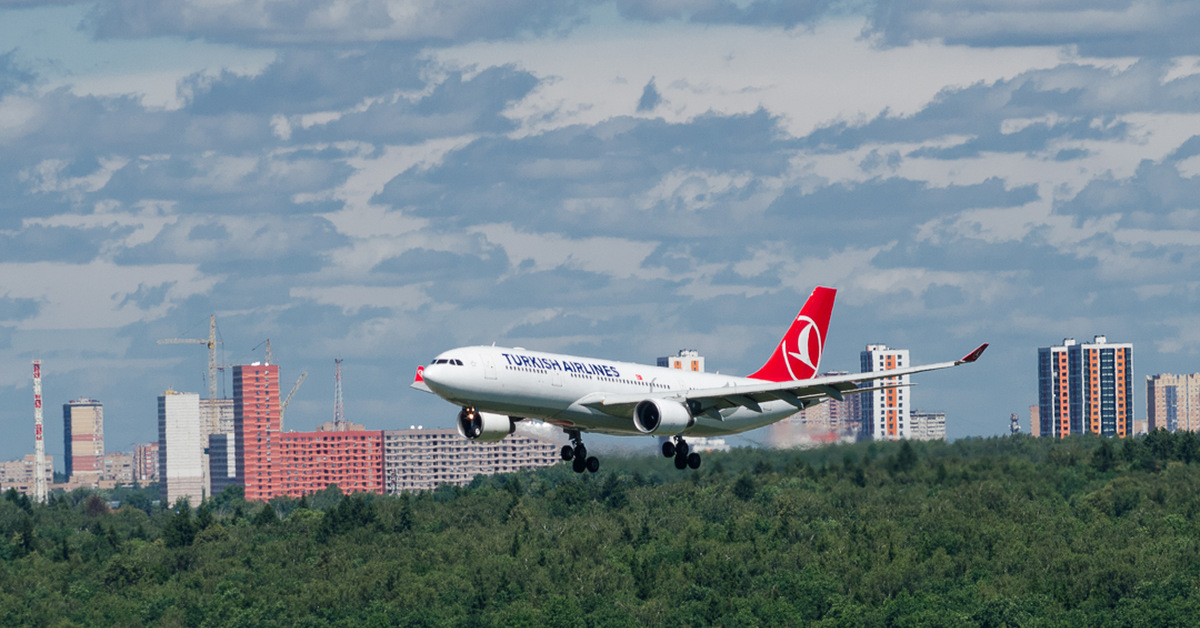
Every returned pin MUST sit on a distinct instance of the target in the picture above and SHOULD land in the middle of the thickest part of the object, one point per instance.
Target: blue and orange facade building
(1086, 388)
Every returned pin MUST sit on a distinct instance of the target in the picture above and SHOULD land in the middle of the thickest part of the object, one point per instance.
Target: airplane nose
(434, 373)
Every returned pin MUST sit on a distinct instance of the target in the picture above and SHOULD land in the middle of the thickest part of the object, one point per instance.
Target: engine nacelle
(662, 416)
(484, 427)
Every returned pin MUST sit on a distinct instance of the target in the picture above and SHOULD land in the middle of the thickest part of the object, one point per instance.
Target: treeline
(979, 532)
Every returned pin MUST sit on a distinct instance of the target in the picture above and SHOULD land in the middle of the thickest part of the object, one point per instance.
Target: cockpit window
(448, 361)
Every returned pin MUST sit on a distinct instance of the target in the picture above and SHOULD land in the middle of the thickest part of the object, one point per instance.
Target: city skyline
(379, 181)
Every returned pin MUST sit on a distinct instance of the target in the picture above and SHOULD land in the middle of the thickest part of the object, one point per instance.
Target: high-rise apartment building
(216, 417)
(180, 465)
(420, 459)
(145, 463)
(83, 439)
(1085, 388)
(256, 426)
(885, 413)
(1173, 402)
(222, 462)
(685, 360)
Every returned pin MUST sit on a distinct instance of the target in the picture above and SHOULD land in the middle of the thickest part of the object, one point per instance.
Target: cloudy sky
(380, 180)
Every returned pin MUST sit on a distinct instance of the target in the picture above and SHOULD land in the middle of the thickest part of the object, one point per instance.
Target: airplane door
(556, 378)
(489, 367)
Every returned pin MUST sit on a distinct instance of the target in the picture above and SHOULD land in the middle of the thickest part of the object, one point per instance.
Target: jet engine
(661, 416)
(484, 427)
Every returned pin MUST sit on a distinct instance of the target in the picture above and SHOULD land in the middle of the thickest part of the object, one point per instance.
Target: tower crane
(211, 341)
(283, 406)
(339, 416)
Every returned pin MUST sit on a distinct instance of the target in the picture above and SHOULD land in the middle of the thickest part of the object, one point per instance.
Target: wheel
(579, 464)
(581, 452)
(693, 460)
(593, 464)
(682, 448)
(680, 462)
(668, 449)
(567, 452)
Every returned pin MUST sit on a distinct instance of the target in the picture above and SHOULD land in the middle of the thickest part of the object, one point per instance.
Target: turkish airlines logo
(806, 349)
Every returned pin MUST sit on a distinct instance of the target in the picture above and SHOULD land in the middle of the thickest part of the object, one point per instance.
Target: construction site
(206, 445)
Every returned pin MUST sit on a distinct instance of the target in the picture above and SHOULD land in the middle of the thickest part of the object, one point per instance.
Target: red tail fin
(798, 355)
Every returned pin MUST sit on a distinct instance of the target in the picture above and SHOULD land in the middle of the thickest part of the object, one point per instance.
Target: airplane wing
(799, 393)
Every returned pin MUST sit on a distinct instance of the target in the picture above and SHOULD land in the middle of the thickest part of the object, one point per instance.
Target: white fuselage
(554, 388)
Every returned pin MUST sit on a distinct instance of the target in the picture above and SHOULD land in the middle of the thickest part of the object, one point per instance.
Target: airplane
(497, 387)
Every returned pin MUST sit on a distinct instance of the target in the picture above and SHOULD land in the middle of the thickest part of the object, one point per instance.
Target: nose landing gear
(577, 454)
(680, 451)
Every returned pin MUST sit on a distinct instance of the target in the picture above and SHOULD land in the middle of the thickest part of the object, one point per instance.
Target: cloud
(454, 106)
(305, 81)
(12, 75)
(280, 22)
(38, 243)
(1156, 28)
(780, 13)
(282, 245)
(589, 173)
(14, 310)
(101, 289)
(650, 99)
(1157, 197)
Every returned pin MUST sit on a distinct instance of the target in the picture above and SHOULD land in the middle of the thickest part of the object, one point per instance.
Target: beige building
(420, 459)
(1173, 402)
(19, 474)
(927, 425)
(117, 467)
(83, 439)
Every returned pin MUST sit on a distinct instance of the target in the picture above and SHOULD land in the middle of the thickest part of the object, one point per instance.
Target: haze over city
(379, 181)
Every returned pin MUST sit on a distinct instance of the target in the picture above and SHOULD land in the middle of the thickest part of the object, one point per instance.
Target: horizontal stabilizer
(419, 381)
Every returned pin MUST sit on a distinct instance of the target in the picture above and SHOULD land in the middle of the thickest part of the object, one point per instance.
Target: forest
(1010, 531)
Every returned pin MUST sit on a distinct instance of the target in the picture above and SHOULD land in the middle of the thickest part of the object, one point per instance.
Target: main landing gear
(680, 451)
(577, 454)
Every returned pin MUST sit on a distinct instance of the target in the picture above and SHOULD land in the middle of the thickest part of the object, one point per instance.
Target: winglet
(419, 381)
(974, 355)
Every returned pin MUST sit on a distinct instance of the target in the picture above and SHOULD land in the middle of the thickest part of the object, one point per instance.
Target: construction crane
(339, 417)
(267, 342)
(211, 341)
(283, 406)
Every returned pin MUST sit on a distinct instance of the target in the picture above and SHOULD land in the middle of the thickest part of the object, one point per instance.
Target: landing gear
(680, 451)
(577, 454)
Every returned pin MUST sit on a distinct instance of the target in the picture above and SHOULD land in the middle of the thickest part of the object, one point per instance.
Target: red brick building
(256, 428)
(306, 462)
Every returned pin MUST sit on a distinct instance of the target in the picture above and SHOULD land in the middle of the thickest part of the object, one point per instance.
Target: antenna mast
(339, 416)
(39, 447)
